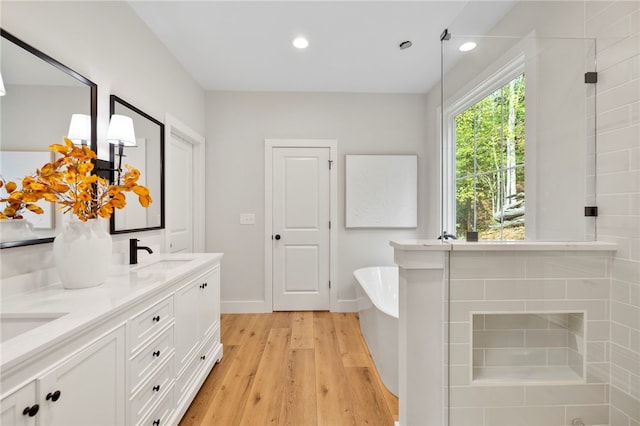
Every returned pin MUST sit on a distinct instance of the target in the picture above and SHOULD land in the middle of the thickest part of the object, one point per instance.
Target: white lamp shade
(121, 131)
(2, 91)
(79, 128)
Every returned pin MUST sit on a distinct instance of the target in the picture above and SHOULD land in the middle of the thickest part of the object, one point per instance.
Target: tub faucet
(446, 236)
(133, 250)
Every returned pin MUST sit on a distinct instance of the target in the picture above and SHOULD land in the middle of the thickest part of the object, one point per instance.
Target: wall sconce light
(80, 129)
(2, 91)
(121, 133)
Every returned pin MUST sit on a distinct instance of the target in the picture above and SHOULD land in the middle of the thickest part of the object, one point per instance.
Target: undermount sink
(163, 265)
(12, 325)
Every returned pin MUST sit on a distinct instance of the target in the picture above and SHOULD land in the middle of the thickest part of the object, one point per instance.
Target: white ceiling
(246, 45)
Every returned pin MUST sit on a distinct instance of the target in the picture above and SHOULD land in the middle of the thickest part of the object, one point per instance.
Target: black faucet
(133, 250)
(446, 236)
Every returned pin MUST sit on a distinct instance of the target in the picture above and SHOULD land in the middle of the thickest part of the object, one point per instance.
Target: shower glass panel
(518, 162)
(518, 138)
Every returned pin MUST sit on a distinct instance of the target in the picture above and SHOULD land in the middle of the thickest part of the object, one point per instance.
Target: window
(487, 164)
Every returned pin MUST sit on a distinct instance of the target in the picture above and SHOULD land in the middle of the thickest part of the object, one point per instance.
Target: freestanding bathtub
(378, 305)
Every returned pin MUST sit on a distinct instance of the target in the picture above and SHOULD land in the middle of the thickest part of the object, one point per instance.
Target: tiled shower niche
(528, 347)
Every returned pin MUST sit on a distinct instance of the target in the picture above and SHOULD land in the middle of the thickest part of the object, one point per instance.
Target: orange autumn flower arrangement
(68, 181)
(17, 201)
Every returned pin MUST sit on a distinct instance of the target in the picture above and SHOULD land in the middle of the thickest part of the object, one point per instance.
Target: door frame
(175, 126)
(270, 144)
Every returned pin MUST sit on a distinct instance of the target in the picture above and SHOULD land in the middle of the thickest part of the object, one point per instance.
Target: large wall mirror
(147, 156)
(41, 94)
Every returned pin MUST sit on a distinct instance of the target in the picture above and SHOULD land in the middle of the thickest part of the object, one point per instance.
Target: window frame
(461, 102)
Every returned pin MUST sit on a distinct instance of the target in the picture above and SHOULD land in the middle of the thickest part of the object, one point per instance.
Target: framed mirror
(41, 95)
(148, 157)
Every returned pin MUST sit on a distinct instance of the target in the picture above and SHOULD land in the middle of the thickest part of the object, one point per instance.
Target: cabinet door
(88, 388)
(20, 408)
(186, 325)
(209, 308)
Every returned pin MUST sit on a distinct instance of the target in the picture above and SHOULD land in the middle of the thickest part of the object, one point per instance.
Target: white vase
(82, 253)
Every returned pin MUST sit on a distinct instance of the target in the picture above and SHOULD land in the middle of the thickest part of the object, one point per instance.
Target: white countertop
(82, 307)
(459, 245)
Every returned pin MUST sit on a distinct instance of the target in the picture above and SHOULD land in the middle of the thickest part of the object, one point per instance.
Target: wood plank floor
(293, 368)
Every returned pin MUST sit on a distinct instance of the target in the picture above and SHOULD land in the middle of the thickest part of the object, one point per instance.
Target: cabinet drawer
(151, 391)
(147, 323)
(161, 415)
(151, 357)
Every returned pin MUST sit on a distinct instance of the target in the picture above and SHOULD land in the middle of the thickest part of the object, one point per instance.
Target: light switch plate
(247, 219)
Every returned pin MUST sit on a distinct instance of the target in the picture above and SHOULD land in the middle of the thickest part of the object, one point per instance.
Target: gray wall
(107, 43)
(238, 124)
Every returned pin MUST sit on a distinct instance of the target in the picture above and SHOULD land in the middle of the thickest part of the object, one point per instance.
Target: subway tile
(459, 354)
(524, 416)
(597, 330)
(593, 8)
(625, 403)
(588, 288)
(625, 314)
(487, 396)
(634, 386)
(616, 119)
(626, 359)
(459, 375)
(596, 309)
(459, 332)
(478, 357)
(617, 417)
(614, 161)
(620, 291)
(618, 139)
(517, 356)
(517, 321)
(557, 356)
(634, 119)
(460, 311)
(590, 414)
(620, 378)
(566, 266)
(617, 52)
(634, 295)
(620, 334)
(634, 156)
(466, 290)
(614, 204)
(597, 352)
(615, 76)
(466, 416)
(486, 266)
(634, 26)
(623, 94)
(524, 289)
(634, 340)
(626, 270)
(498, 339)
(565, 394)
(598, 372)
(618, 182)
(545, 338)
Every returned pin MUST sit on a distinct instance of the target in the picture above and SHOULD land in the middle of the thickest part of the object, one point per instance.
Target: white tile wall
(539, 324)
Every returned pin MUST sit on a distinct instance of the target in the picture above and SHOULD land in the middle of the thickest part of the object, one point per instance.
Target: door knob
(277, 237)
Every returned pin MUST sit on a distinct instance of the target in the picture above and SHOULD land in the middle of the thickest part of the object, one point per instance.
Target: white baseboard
(260, 306)
(345, 306)
(244, 307)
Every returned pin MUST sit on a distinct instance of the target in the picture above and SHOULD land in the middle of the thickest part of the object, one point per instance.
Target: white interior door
(300, 228)
(180, 200)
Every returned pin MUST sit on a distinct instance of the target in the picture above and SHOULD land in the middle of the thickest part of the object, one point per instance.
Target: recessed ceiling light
(467, 46)
(301, 43)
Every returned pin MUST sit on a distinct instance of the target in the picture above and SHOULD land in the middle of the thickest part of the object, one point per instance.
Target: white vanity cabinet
(135, 352)
(197, 332)
(85, 388)
(20, 408)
